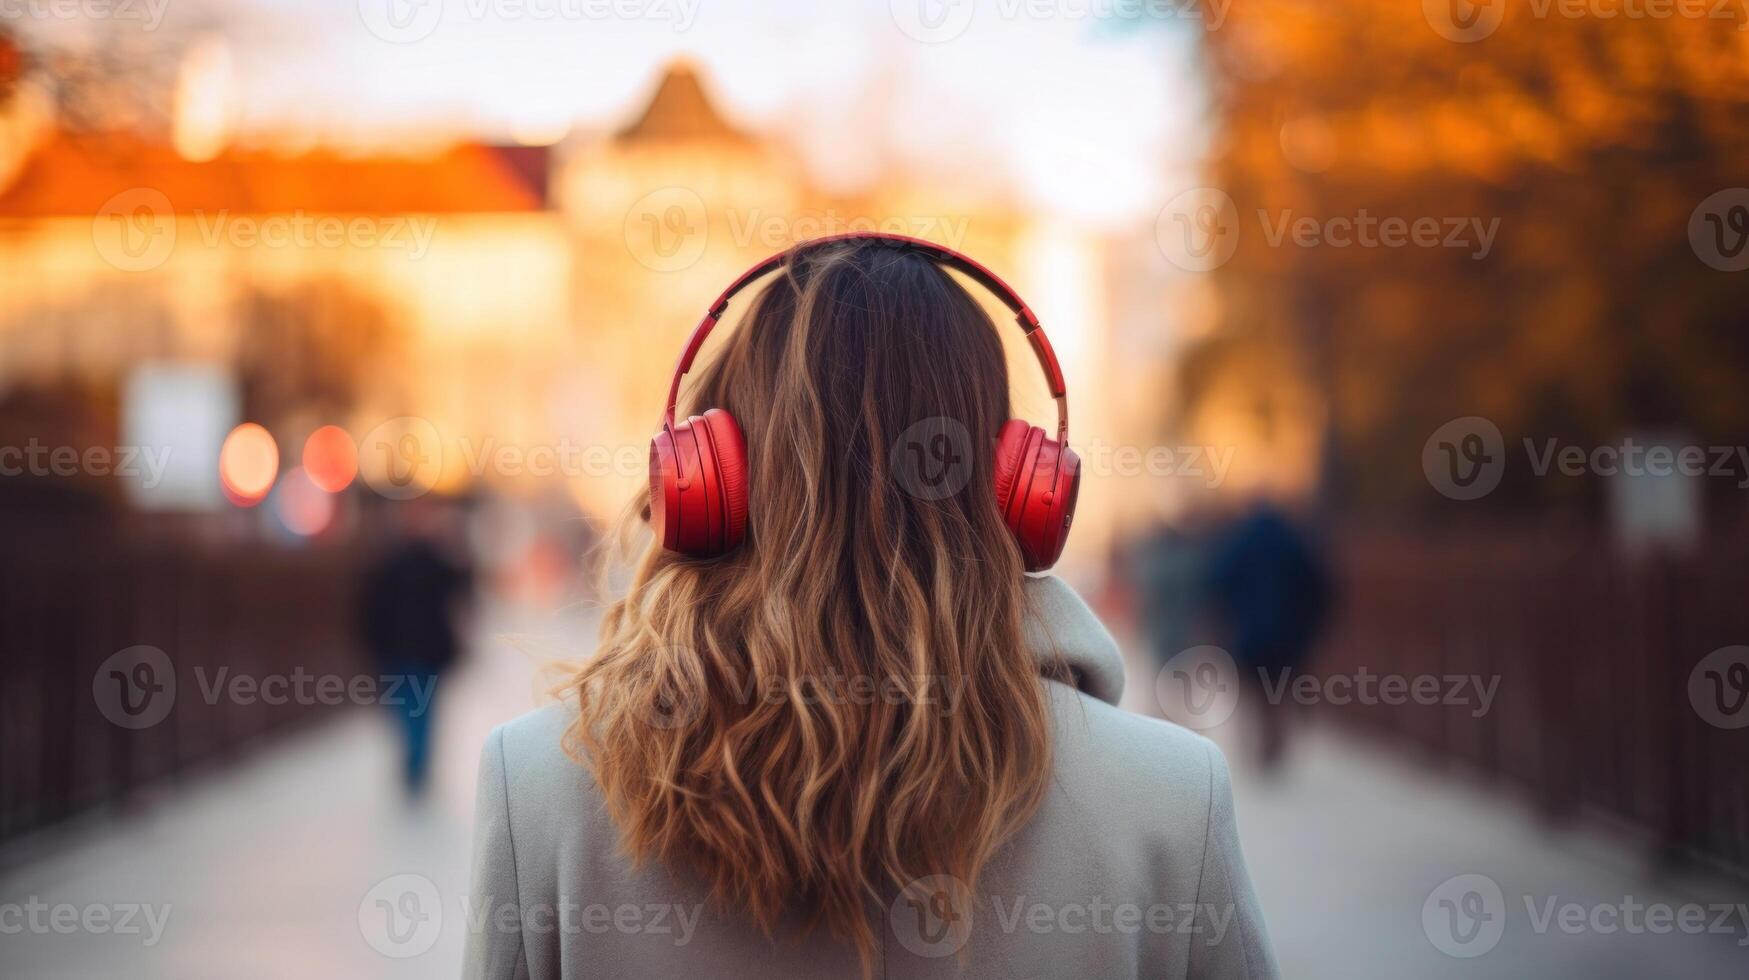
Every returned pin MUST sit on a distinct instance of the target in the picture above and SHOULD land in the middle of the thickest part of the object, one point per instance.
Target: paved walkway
(268, 870)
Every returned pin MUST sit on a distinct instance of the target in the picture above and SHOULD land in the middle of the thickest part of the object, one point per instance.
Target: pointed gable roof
(681, 110)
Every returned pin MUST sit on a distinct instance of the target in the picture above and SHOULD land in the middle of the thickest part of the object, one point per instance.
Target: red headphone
(698, 468)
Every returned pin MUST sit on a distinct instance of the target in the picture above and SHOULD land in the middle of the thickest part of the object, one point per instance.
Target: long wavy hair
(843, 704)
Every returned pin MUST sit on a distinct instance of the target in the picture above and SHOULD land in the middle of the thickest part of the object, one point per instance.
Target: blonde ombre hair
(843, 704)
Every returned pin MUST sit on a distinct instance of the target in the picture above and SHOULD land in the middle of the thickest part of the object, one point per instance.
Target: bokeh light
(330, 458)
(248, 464)
(305, 508)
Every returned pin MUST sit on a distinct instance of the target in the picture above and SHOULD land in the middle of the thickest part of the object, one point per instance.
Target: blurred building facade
(515, 297)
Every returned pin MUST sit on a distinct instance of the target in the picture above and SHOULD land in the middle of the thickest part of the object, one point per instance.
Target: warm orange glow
(248, 463)
(330, 458)
(462, 310)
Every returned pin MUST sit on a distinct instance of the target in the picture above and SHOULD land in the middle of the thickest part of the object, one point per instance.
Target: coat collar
(1059, 626)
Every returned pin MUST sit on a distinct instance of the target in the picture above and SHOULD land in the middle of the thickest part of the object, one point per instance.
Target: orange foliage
(1591, 140)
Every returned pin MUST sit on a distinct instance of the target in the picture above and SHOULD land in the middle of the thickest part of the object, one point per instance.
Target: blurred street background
(1405, 342)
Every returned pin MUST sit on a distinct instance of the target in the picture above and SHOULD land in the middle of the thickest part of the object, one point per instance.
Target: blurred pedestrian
(1169, 575)
(410, 602)
(1270, 591)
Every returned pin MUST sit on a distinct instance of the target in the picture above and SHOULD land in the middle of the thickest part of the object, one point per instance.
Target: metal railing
(71, 601)
(1595, 655)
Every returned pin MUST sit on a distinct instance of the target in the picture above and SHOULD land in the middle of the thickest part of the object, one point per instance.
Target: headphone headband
(1035, 335)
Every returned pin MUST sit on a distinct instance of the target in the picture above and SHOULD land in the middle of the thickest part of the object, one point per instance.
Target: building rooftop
(680, 109)
(70, 174)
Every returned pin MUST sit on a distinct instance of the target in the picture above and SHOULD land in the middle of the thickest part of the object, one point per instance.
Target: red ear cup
(698, 485)
(1010, 442)
(731, 457)
(1037, 484)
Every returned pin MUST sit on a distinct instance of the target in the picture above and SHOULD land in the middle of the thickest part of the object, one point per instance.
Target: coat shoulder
(1152, 769)
(537, 738)
(539, 770)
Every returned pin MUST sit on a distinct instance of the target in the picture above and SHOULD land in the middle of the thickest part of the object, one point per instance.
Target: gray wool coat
(1131, 867)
